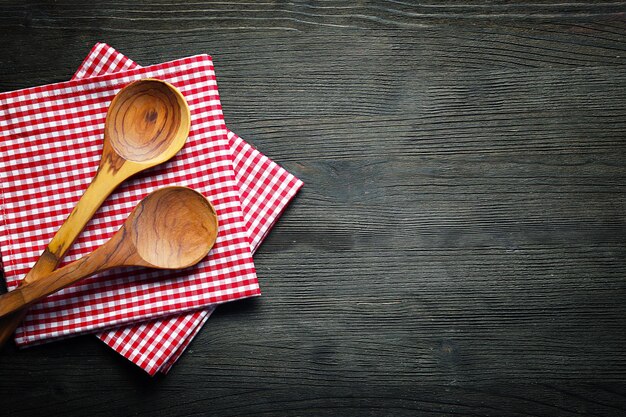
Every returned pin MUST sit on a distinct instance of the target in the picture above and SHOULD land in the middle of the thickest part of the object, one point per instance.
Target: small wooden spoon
(172, 228)
(147, 123)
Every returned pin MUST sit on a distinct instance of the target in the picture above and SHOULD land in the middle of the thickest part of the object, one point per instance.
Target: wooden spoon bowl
(145, 120)
(172, 228)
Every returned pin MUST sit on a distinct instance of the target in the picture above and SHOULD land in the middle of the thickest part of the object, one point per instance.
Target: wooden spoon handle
(29, 293)
(101, 186)
(8, 325)
(116, 252)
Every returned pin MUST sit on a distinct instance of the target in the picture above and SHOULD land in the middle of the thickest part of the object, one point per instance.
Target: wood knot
(151, 116)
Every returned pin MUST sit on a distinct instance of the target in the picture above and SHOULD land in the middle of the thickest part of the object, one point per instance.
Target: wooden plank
(458, 248)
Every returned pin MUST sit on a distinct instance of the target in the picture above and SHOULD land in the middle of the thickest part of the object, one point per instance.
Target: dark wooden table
(459, 247)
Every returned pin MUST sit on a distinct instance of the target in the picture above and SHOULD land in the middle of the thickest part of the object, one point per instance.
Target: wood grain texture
(147, 123)
(459, 245)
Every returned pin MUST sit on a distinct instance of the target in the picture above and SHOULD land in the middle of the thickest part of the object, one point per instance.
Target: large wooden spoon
(172, 228)
(147, 124)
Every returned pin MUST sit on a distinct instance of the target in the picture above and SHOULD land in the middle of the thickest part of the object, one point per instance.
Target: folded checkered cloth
(40, 188)
(265, 190)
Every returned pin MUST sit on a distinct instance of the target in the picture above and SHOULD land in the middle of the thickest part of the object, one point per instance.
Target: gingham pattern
(101, 60)
(265, 189)
(50, 149)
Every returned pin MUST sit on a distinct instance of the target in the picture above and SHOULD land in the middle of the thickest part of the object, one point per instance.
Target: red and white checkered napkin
(265, 189)
(50, 149)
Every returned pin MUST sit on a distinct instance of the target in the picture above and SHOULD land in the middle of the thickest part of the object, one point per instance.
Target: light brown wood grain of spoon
(172, 228)
(147, 123)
